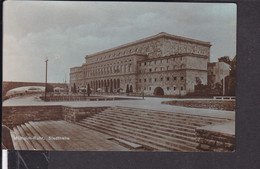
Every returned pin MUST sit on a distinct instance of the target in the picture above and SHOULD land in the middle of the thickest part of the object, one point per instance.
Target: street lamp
(46, 78)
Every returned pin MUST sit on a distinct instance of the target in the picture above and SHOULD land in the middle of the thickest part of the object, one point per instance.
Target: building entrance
(158, 91)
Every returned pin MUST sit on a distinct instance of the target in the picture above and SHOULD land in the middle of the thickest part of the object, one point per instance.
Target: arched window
(130, 68)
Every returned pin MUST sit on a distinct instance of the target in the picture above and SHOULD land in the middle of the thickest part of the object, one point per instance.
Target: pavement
(150, 103)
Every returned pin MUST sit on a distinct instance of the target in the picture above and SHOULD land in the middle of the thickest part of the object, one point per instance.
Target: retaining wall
(17, 115)
(217, 138)
(228, 105)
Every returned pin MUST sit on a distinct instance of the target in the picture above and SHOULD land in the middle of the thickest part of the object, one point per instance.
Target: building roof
(159, 35)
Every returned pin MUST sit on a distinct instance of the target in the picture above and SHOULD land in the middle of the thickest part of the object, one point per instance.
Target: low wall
(74, 114)
(17, 115)
(209, 104)
(217, 138)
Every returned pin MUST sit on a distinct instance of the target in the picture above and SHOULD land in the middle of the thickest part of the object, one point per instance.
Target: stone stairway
(154, 130)
(116, 129)
(39, 136)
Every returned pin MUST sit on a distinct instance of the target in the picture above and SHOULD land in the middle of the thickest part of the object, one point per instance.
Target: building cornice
(175, 56)
(157, 36)
(124, 56)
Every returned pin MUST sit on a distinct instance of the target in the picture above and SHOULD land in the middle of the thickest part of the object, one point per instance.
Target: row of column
(107, 85)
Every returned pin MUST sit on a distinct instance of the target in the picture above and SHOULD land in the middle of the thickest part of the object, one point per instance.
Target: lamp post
(224, 86)
(46, 78)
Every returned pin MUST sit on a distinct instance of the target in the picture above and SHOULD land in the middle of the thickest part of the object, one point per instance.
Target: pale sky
(67, 31)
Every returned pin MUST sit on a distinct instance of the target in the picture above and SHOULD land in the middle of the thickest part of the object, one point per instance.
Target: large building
(162, 64)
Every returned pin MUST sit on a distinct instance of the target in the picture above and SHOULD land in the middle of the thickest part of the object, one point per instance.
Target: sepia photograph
(119, 76)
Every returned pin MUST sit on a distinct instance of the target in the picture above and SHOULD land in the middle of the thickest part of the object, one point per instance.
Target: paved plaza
(150, 103)
(123, 125)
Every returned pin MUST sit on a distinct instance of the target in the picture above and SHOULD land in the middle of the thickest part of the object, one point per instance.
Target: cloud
(67, 31)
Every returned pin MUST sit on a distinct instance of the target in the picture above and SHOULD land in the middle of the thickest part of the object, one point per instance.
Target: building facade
(217, 71)
(162, 64)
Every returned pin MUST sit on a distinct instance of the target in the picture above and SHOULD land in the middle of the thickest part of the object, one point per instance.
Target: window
(150, 80)
(168, 88)
(155, 69)
(168, 78)
(174, 78)
(140, 80)
(144, 80)
(167, 67)
(155, 79)
(144, 63)
(182, 78)
(174, 88)
(161, 78)
(150, 88)
(181, 88)
(150, 70)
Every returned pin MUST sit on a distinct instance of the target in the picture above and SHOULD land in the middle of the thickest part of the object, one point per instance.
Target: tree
(225, 59)
(131, 89)
(198, 81)
(88, 90)
(127, 88)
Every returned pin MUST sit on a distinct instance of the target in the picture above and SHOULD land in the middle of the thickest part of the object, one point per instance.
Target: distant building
(217, 71)
(162, 64)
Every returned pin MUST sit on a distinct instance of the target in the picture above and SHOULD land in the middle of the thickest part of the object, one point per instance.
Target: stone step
(134, 139)
(52, 130)
(34, 142)
(170, 136)
(20, 141)
(42, 142)
(189, 120)
(82, 138)
(214, 119)
(151, 135)
(26, 138)
(42, 132)
(170, 143)
(151, 121)
(78, 135)
(15, 142)
(72, 132)
(127, 143)
(171, 116)
(151, 128)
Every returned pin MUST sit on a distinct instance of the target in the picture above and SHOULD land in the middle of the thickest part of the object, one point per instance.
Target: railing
(224, 97)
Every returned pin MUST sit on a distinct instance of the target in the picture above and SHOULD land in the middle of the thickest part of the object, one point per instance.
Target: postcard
(119, 76)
